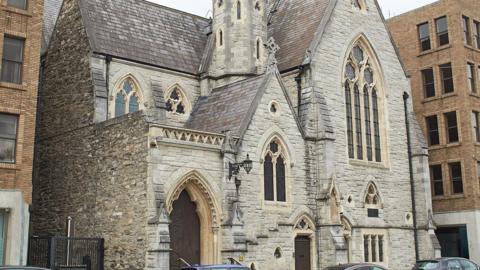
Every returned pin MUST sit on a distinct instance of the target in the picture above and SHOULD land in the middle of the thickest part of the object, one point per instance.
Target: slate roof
(146, 32)
(293, 26)
(51, 8)
(226, 108)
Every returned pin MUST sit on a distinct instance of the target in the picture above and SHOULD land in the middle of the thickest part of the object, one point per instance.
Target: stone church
(277, 133)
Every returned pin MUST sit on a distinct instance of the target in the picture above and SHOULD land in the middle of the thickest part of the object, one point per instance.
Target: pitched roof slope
(293, 25)
(226, 108)
(51, 9)
(146, 32)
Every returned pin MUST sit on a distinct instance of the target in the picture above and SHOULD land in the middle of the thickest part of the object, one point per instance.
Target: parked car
(361, 266)
(21, 268)
(446, 264)
(216, 267)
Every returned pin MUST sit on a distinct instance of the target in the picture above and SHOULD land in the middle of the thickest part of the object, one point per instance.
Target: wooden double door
(303, 253)
(184, 232)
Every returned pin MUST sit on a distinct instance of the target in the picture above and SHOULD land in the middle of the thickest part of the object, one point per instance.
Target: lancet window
(274, 167)
(127, 98)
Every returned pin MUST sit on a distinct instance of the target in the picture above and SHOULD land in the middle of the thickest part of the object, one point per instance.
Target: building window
(442, 31)
(220, 38)
(476, 126)
(428, 82)
(372, 201)
(12, 62)
(437, 180)
(257, 6)
(477, 33)
(219, 3)
(21, 4)
(454, 243)
(239, 10)
(452, 127)
(447, 78)
(424, 36)
(3, 236)
(472, 86)
(456, 177)
(363, 108)
(274, 170)
(8, 137)
(467, 35)
(374, 245)
(258, 50)
(432, 130)
(176, 101)
(127, 98)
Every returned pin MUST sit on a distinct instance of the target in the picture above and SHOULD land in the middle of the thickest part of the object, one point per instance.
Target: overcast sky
(202, 7)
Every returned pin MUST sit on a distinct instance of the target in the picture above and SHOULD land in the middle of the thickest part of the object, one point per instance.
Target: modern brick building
(21, 25)
(440, 47)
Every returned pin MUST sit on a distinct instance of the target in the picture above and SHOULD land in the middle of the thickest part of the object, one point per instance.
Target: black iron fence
(62, 253)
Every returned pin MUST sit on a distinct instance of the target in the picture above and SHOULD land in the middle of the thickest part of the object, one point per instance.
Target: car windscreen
(427, 265)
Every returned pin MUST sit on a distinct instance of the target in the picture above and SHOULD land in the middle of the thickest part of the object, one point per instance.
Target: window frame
(24, 7)
(421, 39)
(442, 33)
(437, 181)
(282, 152)
(476, 126)
(20, 64)
(136, 91)
(4, 215)
(381, 247)
(467, 32)
(427, 84)
(471, 77)
(449, 127)
(434, 131)
(457, 178)
(477, 33)
(446, 79)
(15, 141)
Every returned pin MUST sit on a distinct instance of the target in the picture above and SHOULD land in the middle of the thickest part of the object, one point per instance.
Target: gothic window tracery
(372, 198)
(362, 102)
(176, 102)
(275, 172)
(127, 98)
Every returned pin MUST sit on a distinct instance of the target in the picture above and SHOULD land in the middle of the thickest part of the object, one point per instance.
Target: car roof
(234, 266)
(346, 266)
(21, 268)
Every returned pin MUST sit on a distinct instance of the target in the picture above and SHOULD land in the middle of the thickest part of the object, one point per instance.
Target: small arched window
(258, 49)
(274, 172)
(220, 38)
(372, 201)
(127, 98)
(364, 136)
(219, 3)
(239, 10)
(176, 102)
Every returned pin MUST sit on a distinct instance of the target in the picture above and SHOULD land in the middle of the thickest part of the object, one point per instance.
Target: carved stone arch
(372, 195)
(208, 211)
(268, 136)
(304, 223)
(183, 100)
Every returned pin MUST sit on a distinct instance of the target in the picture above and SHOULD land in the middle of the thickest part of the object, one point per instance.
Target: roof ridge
(173, 9)
(220, 88)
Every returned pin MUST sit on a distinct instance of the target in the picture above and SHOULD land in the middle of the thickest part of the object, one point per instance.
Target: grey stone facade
(118, 177)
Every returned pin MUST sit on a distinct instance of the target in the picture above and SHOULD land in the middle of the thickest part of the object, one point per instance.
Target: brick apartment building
(21, 25)
(440, 47)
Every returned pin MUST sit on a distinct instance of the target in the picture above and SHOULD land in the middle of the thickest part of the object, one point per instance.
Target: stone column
(158, 252)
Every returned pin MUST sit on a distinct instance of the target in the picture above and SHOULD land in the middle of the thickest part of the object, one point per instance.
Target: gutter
(412, 182)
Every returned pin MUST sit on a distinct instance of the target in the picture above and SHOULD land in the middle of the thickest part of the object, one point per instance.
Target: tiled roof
(293, 26)
(51, 9)
(226, 108)
(146, 32)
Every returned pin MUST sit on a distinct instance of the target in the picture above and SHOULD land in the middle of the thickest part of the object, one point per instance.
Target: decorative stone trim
(164, 133)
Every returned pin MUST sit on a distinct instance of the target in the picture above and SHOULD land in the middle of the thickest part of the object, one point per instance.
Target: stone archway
(193, 193)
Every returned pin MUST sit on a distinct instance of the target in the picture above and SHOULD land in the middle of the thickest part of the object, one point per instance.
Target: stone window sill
(372, 164)
(13, 86)
(441, 48)
(471, 47)
(18, 11)
(9, 166)
(448, 197)
(443, 96)
(276, 206)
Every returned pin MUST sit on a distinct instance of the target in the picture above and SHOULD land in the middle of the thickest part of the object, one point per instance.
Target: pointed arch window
(258, 49)
(127, 98)
(275, 172)
(372, 201)
(363, 106)
(220, 38)
(239, 10)
(176, 101)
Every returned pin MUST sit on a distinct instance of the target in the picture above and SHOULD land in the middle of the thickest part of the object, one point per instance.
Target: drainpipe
(108, 60)
(412, 182)
(298, 80)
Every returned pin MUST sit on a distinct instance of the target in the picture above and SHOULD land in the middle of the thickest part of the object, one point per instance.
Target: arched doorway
(193, 208)
(184, 232)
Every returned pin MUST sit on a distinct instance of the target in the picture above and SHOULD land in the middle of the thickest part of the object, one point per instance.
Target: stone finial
(272, 49)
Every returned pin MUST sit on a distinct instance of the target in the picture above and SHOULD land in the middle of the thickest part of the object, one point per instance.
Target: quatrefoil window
(176, 102)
